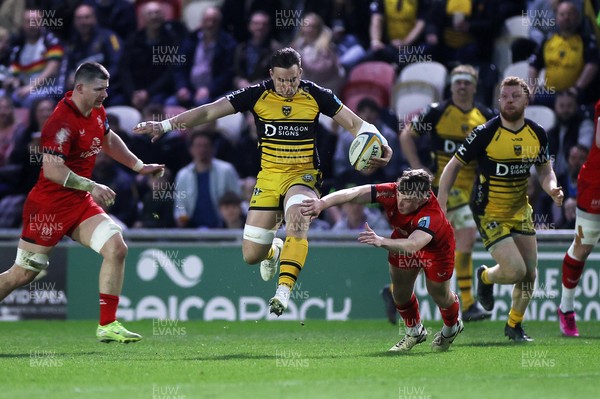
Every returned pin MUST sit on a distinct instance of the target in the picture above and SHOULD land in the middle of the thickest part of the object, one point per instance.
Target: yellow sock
(514, 317)
(293, 256)
(463, 265)
(485, 278)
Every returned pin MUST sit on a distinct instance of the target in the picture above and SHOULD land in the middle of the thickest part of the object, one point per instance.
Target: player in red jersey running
(587, 232)
(422, 239)
(65, 201)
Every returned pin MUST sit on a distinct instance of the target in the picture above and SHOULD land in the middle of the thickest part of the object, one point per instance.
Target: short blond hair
(515, 81)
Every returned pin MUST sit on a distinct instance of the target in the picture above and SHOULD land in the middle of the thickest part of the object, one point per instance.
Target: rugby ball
(364, 147)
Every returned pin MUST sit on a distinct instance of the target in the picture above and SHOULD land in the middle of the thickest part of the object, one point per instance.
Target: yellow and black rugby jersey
(504, 158)
(564, 59)
(286, 126)
(448, 126)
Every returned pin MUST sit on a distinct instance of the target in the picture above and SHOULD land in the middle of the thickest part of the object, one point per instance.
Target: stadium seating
(128, 116)
(410, 97)
(513, 28)
(430, 72)
(373, 79)
(353, 92)
(542, 115)
(519, 69)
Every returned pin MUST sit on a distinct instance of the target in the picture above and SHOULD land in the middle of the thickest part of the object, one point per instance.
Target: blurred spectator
(253, 56)
(35, 62)
(199, 185)
(231, 211)
(462, 31)
(207, 72)
(10, 15)
(157, 203)
(117, 15)
(89, 42)
(8, 126)
(354, 216)
(542, 19)
(108, 172)
(396, 28)
(19, 176)
(572, 127)
(569, 57)
(349, 49)
(236, 16)
(320, 62)
(147, 67)
(4, 55)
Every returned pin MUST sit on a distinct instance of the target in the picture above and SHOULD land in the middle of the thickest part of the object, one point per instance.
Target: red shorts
(588, 193)
(46, 223)
(435, 269)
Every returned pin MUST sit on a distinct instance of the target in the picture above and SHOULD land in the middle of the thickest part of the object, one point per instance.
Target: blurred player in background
(422, 238)
(449, 123)
(505, 148)
(587, 232)
(286, 111)
(65, 201)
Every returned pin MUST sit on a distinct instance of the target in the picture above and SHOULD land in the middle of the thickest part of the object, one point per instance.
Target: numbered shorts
(494, 229)
(271, 187)
(46, 224)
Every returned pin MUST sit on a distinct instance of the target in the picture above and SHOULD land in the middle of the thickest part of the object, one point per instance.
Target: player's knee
(116, 250)
(517, 274)
(102, 235)
(30, 264)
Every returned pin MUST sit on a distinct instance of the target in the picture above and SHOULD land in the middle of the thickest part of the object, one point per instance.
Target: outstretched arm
(195, 116)
(314, 206)
(416, 241)
(115, 148)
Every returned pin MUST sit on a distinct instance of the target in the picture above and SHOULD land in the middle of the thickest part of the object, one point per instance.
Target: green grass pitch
(319, 359)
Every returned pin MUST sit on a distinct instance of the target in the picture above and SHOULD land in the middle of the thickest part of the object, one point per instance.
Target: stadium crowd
(161, 63)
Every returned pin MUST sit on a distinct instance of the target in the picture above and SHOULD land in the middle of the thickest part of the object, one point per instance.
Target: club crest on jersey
(518, 149)
(307, 178)
(424, 222)
(286, 109)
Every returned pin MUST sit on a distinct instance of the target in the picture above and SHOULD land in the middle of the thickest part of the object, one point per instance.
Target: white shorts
(461, 218)
(587, 226)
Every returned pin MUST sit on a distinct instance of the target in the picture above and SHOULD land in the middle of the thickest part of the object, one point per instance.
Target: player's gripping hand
(151, 128)
(311, 207)
(154, 169)
(557, 195)
(103, 195)
(368, 236)
(384, 160)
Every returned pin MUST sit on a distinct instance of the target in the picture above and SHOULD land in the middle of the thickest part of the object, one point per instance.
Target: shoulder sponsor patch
(424, 222)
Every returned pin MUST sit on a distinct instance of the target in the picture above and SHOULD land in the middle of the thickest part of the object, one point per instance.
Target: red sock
(450, 314)
(410, 312)
(108, 308)
(572, 270)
